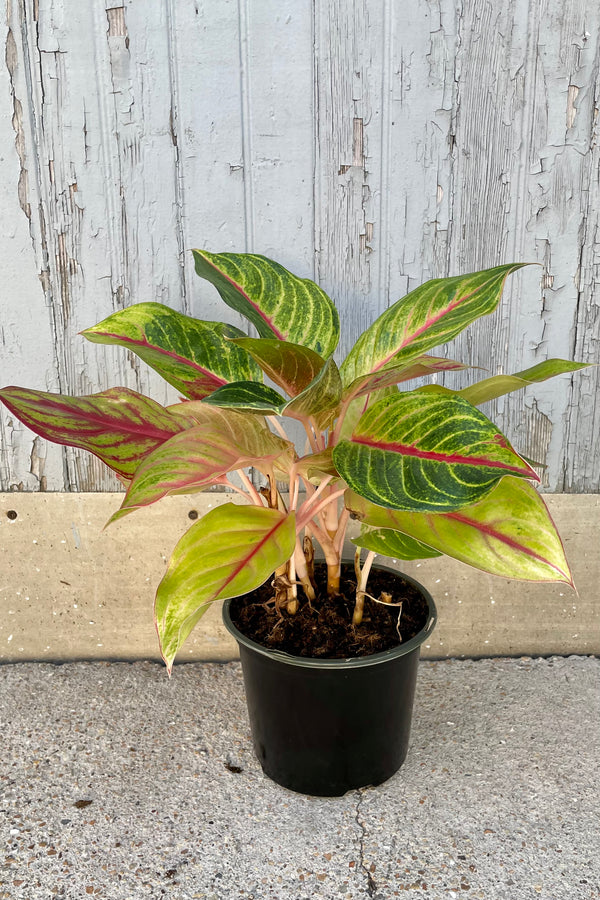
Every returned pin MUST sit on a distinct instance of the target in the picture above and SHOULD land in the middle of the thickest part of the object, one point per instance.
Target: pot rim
(355, 662)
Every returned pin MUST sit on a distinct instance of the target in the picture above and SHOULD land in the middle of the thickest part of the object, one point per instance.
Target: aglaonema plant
(425, 471)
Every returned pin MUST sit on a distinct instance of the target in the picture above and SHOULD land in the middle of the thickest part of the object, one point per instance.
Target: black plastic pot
(328, 726)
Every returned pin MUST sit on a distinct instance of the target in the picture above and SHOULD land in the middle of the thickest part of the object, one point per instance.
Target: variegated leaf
(498, 385)
(291, 366)
(426, 452)
(320, 401)
(247, 396)
(232, 550)
(393, 544)
(199, 456)
(119, 426)
(431, 315)
(393, 374)
(352, 411)
(509, 533)
(196, 357)
(279, 305)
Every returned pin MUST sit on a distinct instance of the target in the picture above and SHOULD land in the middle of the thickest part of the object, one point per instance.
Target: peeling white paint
(372, 151)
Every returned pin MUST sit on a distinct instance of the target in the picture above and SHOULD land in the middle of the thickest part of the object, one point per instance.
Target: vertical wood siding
(370, 144)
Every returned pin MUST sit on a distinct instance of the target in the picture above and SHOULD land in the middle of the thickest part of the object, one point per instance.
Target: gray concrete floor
(118, 783)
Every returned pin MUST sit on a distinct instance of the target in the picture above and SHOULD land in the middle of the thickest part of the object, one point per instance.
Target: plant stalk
(361, 589)
(303, 572)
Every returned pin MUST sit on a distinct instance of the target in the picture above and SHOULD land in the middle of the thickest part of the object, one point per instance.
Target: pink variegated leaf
(509, 533)
(316, 466)
(201, 455)
(232, 550)
(320, 401)
(279, 304)
(392, 374)
(196, 357)
(426, 452)
(431, 315)
(291, 366)
(119, 426)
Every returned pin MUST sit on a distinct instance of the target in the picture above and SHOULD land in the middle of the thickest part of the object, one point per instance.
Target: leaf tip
(119, 514)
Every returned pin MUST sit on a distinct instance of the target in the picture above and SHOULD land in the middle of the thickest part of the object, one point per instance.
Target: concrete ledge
(69, 590)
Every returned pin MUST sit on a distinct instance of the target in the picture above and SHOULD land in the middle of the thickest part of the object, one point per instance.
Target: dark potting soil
(324, 629)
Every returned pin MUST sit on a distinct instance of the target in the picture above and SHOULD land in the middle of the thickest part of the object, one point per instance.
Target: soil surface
(324, 629)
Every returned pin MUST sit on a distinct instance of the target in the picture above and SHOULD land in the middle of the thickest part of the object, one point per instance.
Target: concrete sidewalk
(118, 783)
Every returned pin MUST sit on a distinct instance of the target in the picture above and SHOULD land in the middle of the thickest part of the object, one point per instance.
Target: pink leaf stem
(306, 516)
(256, 498)
(338, 541)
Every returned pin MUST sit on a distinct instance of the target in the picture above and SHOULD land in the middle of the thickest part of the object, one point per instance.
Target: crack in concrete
(362, 865)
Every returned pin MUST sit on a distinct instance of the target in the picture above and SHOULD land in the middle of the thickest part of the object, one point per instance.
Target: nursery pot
(327, 726)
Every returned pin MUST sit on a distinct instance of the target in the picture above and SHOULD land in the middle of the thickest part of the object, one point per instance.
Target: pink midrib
(425, 327)
(451, 459)
(143, 428)
(278, 334)
(497, 535)
(136, 342)
(255, 550)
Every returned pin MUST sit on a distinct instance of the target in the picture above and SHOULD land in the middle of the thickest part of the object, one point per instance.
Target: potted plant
(329, 650)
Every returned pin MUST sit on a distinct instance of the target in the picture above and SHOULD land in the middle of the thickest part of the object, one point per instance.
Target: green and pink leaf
(232, 550)
(119, 426)
(315, 466)
(509, 533)
(279, 304)
(291, 366)
(320, 401)
(201, 455)
(195, 357)
(394, 374)
(426, 452)
(432, 314)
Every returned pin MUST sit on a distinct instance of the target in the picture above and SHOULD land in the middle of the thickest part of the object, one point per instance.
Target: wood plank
(349, 70)
(26, 340)
(206, 91)
(522, 155)
(278, 114)
(104, 234)
(70, 590)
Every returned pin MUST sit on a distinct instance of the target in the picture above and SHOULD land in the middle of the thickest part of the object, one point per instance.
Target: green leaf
(291, 366)
(426, 452)
(119, 426)
(199, 456)
(320, 401)
(232, 550)
(431, 315)
(279, 305)
(393, 374)
(509, 533)
(394, 544)
(498, 385)
(249, 396)
(195, 357)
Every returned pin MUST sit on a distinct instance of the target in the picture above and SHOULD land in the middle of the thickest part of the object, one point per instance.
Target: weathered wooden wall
(370, 144)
